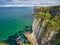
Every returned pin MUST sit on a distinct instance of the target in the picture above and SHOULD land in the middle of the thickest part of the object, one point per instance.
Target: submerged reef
(12, 39)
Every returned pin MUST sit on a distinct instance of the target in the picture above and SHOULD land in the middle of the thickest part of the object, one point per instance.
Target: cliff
(45, 26)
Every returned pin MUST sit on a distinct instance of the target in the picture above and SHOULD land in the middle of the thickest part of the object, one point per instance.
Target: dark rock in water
(28, 28)
(12, 40)
(19, 41)
(20, 34)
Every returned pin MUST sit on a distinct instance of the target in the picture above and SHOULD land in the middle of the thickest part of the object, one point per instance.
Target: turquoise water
(13, 19)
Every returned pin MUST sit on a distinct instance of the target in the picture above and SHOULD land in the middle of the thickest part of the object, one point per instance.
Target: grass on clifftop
(8, 44)
(27, 44)
(43, 15)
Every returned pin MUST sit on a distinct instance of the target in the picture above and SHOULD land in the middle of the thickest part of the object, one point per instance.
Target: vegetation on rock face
(27, 44)
(52, 15)
(47, 25)
(53, 24)
(43, 15)
(4, 44)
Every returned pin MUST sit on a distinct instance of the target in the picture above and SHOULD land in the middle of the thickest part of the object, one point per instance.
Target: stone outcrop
(44, 28)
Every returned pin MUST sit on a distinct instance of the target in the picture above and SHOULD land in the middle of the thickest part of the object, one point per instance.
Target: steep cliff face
(38, 28)
(45, 25)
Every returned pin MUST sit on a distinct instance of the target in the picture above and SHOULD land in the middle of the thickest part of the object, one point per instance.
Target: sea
(14, 19)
